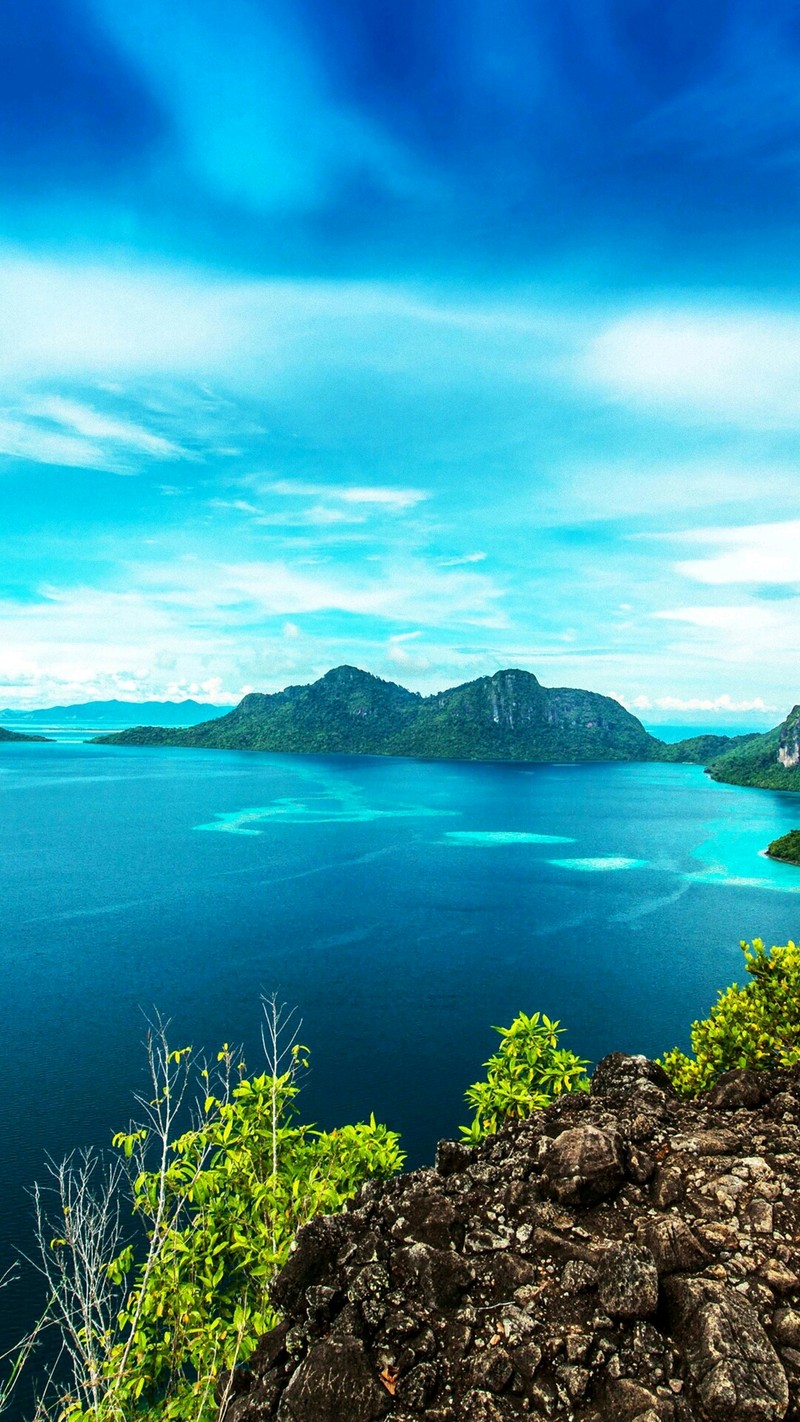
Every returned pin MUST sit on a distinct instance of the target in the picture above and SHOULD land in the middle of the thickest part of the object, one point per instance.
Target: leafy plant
(154, 1320)
(755, 1026)
(527, 1073)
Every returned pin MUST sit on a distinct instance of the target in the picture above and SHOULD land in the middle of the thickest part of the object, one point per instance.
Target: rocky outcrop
(789, 744)
(624, 1256)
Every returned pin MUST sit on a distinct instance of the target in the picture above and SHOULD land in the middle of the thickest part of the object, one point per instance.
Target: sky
(433, 337)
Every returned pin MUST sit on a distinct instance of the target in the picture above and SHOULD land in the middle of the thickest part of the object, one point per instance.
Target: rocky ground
(621, 1256)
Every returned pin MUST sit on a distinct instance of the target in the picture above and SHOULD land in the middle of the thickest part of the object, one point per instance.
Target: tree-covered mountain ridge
(768, 762)
(506, 716)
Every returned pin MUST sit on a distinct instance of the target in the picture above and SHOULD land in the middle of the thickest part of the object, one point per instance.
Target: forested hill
(769, 762)
(18, 736)
(508, 716)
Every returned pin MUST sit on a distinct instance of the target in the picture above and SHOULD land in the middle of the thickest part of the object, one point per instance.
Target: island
(19, 736)
(508, 716)
(787, 848)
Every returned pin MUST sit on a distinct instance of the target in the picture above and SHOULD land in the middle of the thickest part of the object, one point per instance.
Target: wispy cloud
(461, 562)
(763, 553)
(395, 500)
(94, 424)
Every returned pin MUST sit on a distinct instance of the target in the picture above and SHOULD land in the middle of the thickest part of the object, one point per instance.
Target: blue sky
(432, 337)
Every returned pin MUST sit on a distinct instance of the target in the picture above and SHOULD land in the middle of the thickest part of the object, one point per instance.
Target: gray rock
(618, 1075)
(736, 1089)
(583, 1165)
(627, 1281)
(334, 1384)
(733, 1369)
(673, 1245)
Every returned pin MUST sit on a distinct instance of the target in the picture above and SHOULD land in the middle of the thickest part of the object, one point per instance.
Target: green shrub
(527, 1073)
(756, 1026)
(218, 1208)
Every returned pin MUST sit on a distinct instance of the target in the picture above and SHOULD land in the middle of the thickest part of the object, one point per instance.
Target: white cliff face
(789, 747)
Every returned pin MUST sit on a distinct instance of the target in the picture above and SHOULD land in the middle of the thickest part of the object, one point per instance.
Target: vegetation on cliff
(768, 762)
(755, 1026)
(151, 1320)
(527, 1072)
(700, 750)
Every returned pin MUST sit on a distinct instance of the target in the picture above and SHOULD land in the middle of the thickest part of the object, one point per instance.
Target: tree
(158, 1262)
(527, 1073)
(755, 1026)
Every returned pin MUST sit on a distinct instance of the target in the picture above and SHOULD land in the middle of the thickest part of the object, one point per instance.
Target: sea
(404, 908)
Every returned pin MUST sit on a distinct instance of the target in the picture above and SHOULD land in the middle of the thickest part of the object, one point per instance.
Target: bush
(755, 1026)
(527, 1073)
(151, 1324)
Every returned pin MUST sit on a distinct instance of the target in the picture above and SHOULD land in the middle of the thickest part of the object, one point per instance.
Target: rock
(626, 1400)
(737, 1089)
(627, 1282)
(316, 1247)
(417, 1385)
(334, 1384)
(542, 1277)
(787, 1327)
(438, 1274)
(583, 1165)
(618, 1075)
(492, 1369)
(452, 1157)
(733, 1369)
(577, 1276)
(673, 1245)
(668, 1186)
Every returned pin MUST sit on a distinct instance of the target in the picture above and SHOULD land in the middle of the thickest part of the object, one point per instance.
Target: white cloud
(396, 500)
(461, 562)
(411, 590)
(742, 620)
(106, 321)
(765, 553)
(723, 703)
(21, 440)
(92, 424)
(736, 365)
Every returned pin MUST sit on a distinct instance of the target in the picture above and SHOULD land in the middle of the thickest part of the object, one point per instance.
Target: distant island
(95, 715)
(18, 736)
(787, 848)
(509, 716)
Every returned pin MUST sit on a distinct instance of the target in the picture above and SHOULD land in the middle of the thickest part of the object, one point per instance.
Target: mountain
(769, 762)
(116, 714)
(18, 736)
(508, 716)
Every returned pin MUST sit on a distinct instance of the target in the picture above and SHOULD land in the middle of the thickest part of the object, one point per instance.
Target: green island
(508, 716)
(19, 736)
(787, 848)
(152, 1318)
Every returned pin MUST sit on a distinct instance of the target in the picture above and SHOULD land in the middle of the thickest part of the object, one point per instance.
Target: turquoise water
(403, 906)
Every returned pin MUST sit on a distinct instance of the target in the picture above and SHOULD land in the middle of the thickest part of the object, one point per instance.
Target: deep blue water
(403, 906)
